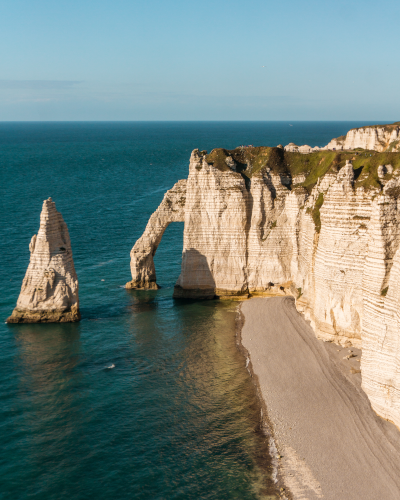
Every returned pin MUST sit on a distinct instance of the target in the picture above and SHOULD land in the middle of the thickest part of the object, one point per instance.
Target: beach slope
(330, 443)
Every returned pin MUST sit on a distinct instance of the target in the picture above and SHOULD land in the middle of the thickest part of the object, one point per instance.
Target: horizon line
(193, 121)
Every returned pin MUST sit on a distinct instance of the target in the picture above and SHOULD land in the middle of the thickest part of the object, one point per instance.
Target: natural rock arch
(171, 209)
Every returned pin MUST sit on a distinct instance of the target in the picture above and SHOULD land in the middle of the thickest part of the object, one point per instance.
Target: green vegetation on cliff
(251, 161)
(217, 158)
(247, 160)
(387, 127)
(316, 213)
(366, 165)
(393, 146)
(312, 166)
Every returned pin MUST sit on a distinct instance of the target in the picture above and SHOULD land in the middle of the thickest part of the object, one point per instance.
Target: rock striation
(49, 291)
(323, 227)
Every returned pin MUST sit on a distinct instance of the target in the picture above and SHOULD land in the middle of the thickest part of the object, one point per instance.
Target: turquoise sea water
(178, 417)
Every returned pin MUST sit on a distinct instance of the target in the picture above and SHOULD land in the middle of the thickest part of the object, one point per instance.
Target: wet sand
(330, 442)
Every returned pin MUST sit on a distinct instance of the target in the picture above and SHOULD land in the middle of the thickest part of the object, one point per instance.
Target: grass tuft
(316, 212)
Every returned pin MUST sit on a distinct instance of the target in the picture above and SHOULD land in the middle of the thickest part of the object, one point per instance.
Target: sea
(178, 416)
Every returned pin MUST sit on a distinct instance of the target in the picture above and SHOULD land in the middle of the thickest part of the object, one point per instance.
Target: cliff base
(27, 316)
(193, 293)
(141, 285)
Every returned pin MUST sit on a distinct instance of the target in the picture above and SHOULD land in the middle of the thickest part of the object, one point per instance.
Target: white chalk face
(50, 283)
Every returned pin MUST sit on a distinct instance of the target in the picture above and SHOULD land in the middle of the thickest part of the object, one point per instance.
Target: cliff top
(250, 161)
(247, 160)
(388, 127)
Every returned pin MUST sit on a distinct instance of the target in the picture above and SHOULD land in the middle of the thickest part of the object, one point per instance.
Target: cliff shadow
(168, 258)
(196, 280)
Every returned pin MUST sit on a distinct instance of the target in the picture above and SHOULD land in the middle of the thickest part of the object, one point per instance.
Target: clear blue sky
(199, 60)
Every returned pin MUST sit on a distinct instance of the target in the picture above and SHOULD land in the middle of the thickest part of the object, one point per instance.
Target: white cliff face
(49, 290)
(293, 148)
(232, 243)
(335, 144)
(215, 234)
(380, 364)
(252, 227)
(375, 138)
(170, 210)
(381, 308)
(335, 301)
(270, 237)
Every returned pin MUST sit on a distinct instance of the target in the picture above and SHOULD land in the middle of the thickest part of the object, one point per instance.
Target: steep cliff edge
(49, 291)
(324, 227)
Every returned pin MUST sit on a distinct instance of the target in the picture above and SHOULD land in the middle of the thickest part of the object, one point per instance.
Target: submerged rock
(49, 291)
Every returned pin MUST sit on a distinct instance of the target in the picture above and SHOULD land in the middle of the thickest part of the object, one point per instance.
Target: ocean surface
(178, 416)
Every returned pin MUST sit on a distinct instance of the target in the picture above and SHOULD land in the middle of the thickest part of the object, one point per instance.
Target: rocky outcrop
(49, 291)
(293, 148)
(171, 209)
(324, 227)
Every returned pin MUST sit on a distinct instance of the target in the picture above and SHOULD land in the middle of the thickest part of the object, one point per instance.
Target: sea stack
(49, 292)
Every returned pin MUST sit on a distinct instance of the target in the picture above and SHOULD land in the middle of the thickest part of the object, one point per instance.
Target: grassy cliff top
(388, 127)
(248, 160)
(366, 165)
(251, 161)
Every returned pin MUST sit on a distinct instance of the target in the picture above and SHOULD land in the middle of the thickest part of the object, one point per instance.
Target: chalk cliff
(49, 290)
(324, 227)
(375, 137)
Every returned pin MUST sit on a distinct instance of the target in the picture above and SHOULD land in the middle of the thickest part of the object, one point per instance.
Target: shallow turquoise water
(177, 418)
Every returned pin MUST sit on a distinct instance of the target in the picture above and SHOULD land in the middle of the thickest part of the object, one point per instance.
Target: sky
(199, 60)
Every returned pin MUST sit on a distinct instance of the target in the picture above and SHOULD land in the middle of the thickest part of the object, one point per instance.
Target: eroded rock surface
(49, 291)
(170, 210)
